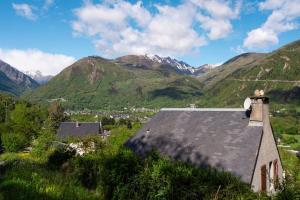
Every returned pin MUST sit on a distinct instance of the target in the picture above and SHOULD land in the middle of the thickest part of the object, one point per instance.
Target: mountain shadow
(174, 93)
(286, 96)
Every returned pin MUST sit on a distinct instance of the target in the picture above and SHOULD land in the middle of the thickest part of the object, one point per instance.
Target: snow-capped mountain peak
(180, 65)
(38, 76)
(166, 63)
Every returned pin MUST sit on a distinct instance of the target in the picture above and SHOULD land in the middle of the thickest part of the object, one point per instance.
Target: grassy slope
(229, 89)
(97, 83)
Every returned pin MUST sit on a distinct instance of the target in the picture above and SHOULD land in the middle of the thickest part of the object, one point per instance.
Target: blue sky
(48, 35)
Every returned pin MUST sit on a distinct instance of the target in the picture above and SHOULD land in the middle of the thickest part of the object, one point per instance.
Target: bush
(14, 142)
(25, 179)
(126, 122)
(129, 125)
(126, 176)
(122, 122)
(288, 191)
(108, 121)
(42, 145)
(86, 170)
(290, 140)
(292, 130)
(108, 127)
(59, 157)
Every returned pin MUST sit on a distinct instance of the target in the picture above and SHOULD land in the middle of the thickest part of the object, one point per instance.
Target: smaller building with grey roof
(78, 129)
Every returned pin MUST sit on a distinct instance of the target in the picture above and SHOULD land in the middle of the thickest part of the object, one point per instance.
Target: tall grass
(114, 172)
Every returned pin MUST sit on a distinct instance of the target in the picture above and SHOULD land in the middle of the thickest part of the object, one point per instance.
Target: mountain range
(155, 62)
(13, 81)
(95, 82)
(154, 81)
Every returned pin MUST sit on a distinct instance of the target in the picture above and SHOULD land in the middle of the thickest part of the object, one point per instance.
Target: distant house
(238, 141)
(67, 129)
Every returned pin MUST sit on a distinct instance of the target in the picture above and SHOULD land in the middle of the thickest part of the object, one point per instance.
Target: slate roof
(85, 128)
(220, 138)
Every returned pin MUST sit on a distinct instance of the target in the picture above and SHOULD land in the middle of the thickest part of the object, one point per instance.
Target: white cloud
(120, 27)
(219, 8)
(271, 4)
(33, 60)
(260, 38)
(24, 10)
(48, 4)
(282, 18)
(218, 21)
(217, 28)
(238, 49)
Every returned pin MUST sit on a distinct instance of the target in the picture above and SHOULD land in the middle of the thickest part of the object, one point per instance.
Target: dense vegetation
(50, 169)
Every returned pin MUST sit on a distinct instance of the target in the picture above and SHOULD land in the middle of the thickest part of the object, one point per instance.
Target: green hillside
(97, 83)
(277, 73)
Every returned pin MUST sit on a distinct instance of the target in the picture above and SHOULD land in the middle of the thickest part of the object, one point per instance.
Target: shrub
(290, 140)
(292, 130)
(86, 170)
(129, 125)
(14, 142)
(108, 121)
(288, 190)
(59, 157)
(126, 176)
(42, 145)
(25, 179)
(122, 122)
(108, 127)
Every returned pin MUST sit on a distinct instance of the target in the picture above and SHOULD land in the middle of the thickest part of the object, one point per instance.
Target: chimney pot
(257, 108)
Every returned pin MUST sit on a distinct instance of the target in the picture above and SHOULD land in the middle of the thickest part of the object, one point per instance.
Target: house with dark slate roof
(67, 129)
(238, 141)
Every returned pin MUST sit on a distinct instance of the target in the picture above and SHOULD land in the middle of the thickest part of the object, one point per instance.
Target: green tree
(56, 115)
(14, 141)
(24, 124)
(27, 119)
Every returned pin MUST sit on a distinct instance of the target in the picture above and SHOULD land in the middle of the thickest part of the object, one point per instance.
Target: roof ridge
(203, 109)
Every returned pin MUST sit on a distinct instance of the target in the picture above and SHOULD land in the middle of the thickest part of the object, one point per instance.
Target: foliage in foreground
(111, 172)
(53, 171)
(123, 176)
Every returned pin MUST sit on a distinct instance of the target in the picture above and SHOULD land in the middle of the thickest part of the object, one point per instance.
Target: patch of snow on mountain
(180, 65)
(38, 76)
